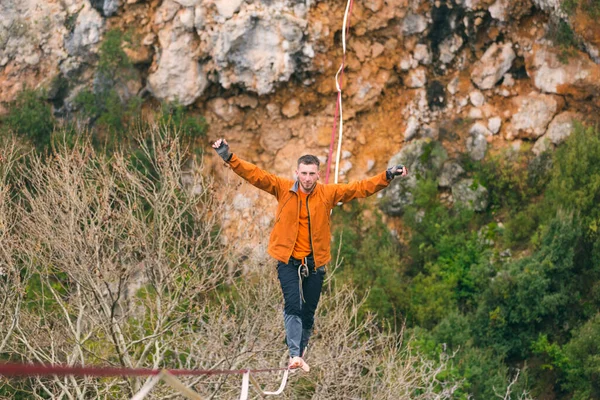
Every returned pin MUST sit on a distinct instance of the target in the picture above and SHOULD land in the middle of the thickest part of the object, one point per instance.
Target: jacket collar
(296, 187)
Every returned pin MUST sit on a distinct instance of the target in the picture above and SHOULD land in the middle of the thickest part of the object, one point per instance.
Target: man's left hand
(396, 170)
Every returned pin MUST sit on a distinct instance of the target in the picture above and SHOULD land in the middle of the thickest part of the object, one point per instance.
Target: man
(301, 236)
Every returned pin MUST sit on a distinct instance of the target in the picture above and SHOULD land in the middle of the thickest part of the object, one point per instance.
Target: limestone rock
(479, 129)
(496, 61)
(477, 146)
(245, 101)
(412, 127)
(534, 113)
(580, 77)
(499, 10)
(449, 47)
(470, 194)
(228, 7)
(416, 78)
(257, 48)
(414, 23)
(87, 32)
(561, 127)
(494, 124)
(227, 111)
(477, 98)
(431, 131)
(345, 167)
(291, 108)
(553, 6)
(451, 171)
(398, 194)
(408, 62)
(275, 139)
(107, 7)
(452, 86)
(273, 110)
(508, 80)
(475, 113)
(542, 145)
(422, 54)
(191, 3)
(166, 12)
(179, 76)
(32, 39)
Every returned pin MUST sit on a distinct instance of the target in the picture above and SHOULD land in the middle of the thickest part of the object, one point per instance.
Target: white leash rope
(339, 90)
(188, 393)
(281, 386)
(247, 379)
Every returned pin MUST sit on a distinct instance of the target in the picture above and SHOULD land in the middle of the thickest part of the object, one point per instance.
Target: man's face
(308, 175)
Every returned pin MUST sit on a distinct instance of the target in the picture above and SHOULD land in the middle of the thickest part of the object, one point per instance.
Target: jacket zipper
(309, 230)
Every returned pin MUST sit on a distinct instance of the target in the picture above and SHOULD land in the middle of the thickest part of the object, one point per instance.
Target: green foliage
(522, 226)
(112, 57)
(589, 7)
(174, 116)
(30, 116)
(569, 6)
(511, 178)
(536, 293)
(39, 295)
(435, 228)
(447, 256)
(108, 106)
(555, 355)
(561, 33)
(583, 370)
(500, 313)
(370, 260)
(575, 182)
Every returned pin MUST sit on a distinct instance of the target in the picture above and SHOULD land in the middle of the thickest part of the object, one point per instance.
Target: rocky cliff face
(474, 75)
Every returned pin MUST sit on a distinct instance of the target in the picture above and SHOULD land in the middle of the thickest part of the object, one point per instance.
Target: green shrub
(575, 182)
(511, 179)
(539, 293)
(107, 106)
(569, 6)
(583, 352)
(174, 116)
(521, 227)
(112, 58)
(370, 261)
(30, 116)
(561, 33)
(590, 7)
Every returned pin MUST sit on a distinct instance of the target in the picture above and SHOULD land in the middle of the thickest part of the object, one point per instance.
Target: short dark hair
(309, 159)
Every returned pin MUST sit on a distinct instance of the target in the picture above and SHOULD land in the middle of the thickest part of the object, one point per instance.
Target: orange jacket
(320, 202)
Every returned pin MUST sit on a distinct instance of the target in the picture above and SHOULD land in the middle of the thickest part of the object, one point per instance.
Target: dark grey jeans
(299, 315)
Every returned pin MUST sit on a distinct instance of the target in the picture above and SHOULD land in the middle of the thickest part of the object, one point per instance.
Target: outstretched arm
(254, 175)
(367, 187)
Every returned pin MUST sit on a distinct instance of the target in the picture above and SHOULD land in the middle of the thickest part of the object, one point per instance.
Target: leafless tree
(14, 273)
(508, 393)
(124, 255)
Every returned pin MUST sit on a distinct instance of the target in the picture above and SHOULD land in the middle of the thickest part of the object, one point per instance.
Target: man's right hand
(222, 149)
